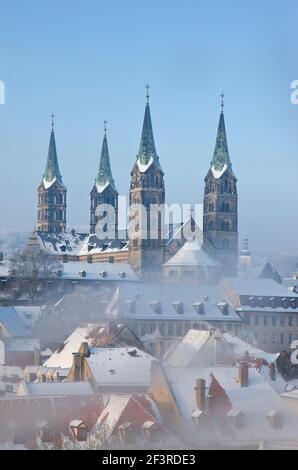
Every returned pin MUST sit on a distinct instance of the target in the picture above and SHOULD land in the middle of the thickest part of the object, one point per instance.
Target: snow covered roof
(188, 348)
(136, 302)
(258, 287)
(54, 388)
(142, 409)
(218, 173)
(197, 347)
(77, 244)
(254, 401)
(104, 271)
(240, 347)
(63, 356)
(94, 245)
(120, 367)
(60, 243)
(4, 269)
(12, 322)
(49, 184)
(191, 254)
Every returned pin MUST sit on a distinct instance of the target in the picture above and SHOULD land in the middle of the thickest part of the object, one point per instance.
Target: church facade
(145, 247)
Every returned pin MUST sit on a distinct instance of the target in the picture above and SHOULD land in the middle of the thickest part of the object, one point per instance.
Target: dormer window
(272, 302)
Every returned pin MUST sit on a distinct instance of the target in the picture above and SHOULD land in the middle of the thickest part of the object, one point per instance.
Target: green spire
(104, 174)
(147, 145)
(221, 152)
(52, 168)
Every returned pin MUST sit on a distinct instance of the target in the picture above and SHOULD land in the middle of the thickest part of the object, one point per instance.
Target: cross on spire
(222, 101)
(105, 127)
(147, 94)
(53, 122)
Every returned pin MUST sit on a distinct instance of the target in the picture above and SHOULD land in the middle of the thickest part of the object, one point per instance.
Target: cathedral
(144, 246)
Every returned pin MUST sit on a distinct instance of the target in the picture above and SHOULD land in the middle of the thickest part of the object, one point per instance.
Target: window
(152, 327)
(162, 328)
(256, 320)
(265, 320)
(273, 338)
(273, 321)
(281, 338)
(290, 338)
(143, 329)
(170, 329)
(282, 321)
(265, 339)
(173, 273)
(290, 321)
(247, 319)
(178, 329)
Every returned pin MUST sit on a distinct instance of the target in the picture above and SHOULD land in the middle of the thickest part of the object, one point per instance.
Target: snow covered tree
(31, 268)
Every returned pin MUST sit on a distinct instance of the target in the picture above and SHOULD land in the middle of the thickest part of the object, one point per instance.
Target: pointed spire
(147, 148)
(221, 153)
(52, 167)
(104, 175)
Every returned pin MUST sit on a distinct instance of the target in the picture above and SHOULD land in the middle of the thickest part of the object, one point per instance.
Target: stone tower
(104, 192)
(51, 208)
(220, 220)
(245, 254)
(146, 199)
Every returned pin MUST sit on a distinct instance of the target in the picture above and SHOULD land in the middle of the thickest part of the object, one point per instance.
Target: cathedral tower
(51, 206)
(220, 221)
(146, 199)
(104, 192)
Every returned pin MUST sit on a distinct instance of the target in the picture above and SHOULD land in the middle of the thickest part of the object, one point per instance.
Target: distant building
(245, 254)
(191, 264)
(268, 309)
(163, 314)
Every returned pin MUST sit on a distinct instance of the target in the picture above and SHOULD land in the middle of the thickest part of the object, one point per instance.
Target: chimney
(77, 362)
(111, 327)
(272, 371)
(36, 357)
(84, 348)
(243, 374)
(200, 393)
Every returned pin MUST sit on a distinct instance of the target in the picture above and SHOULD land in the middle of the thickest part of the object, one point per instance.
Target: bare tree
(32, 268)
(95, 441)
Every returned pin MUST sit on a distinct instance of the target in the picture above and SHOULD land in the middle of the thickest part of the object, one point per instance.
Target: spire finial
(222, 101)
(147, 94)
(53, 122)
(105, 126)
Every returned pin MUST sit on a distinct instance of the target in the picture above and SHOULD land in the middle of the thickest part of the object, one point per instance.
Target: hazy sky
(87, 61)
